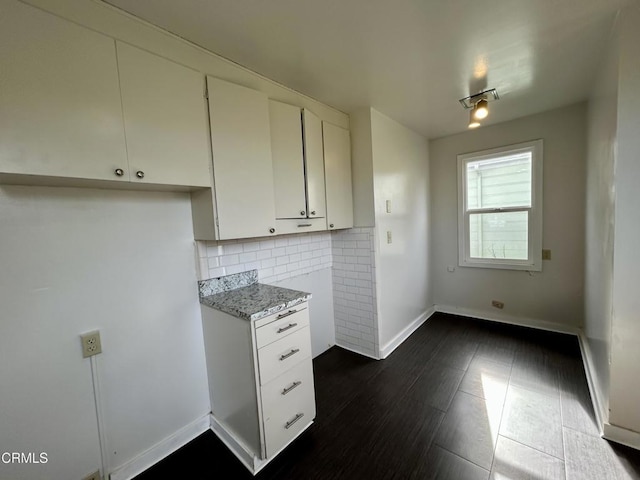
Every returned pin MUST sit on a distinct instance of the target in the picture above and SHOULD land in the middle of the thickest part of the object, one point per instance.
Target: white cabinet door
(60, 112)
(242, 167)
(288, 161)
(314, 164)
(337, 167)
(165, 119)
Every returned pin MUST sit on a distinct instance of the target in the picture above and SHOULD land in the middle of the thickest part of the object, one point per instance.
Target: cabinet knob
(119, 172)
(331, 225)
(140, 174)
(302, 212)
(313, 212)
(272, 230)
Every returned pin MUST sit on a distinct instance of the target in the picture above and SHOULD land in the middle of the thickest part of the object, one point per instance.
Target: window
(500, 207)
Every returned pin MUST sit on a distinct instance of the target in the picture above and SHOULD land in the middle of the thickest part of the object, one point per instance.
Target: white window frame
(534, 260)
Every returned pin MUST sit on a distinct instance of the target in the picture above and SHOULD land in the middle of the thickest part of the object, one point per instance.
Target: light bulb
(481, 110)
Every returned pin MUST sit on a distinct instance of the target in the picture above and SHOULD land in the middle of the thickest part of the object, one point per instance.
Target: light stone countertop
(241, 296)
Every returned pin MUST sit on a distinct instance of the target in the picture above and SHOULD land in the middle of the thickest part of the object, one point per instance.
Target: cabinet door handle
(272, 230)
(303, 213)
(290, 423)
(313, 212)
(305, 225)
(293, 385)
(331, 225)
(287, 355)
(119, 172)
(282, 315)
(140, 174)
(284, 329)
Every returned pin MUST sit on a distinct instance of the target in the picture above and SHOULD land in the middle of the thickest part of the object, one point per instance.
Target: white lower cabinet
(260, 381)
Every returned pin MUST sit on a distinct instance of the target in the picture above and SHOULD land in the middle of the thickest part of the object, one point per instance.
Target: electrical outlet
(389, 239)
(497, 304)
(388, 206)
(546, 254)
(93, 476)
(91, 345)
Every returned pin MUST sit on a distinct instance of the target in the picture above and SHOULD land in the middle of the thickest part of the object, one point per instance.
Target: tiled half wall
(354, 290)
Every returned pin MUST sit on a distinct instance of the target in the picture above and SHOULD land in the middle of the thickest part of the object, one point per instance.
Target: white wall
(625, 359)
(391, 163)
(362, 168)
(552, 298)
(75, 260)
(401, 176)
(601, 146)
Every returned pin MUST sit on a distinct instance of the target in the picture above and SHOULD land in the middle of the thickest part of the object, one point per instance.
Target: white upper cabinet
(314, 164)
(165, 119)
(337, 167)
(242, 166)
(60, 112)
(288, 160)
(298, 169)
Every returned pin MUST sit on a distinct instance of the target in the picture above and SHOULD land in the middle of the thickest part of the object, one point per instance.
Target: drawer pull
(287, 355)
(305, 225)
(290, 423)
(284, 329)
(282, 315)
(293, 385)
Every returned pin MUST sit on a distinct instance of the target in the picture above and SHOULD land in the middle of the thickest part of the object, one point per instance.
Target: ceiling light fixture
(479, 105)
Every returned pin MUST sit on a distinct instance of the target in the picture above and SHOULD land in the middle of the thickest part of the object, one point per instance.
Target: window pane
(498, 182)
(499, 235)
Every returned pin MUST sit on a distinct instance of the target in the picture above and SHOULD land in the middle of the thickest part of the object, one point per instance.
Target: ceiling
(410, 59)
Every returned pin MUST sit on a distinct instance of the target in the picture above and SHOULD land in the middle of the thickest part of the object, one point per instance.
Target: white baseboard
(161, 450)
(359, 352)
(237, 448)
(510, 319)
(248, 459)
(396, 341)
(592, 382)
(621, 435)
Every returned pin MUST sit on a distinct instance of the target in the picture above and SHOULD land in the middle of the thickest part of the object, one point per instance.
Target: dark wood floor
(460, 399)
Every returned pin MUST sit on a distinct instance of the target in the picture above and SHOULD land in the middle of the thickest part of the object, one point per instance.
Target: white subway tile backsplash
(262, 254)
(229, 260)
(267, 263)
(270, 256)
(282, 260)
(251, 246)
(267, 244)
(231, 248)
(248, 257)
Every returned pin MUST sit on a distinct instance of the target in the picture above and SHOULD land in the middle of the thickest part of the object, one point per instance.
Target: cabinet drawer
(282, 324)
(278, 357)
(282, 390)
(288, 404)
(300, 225)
